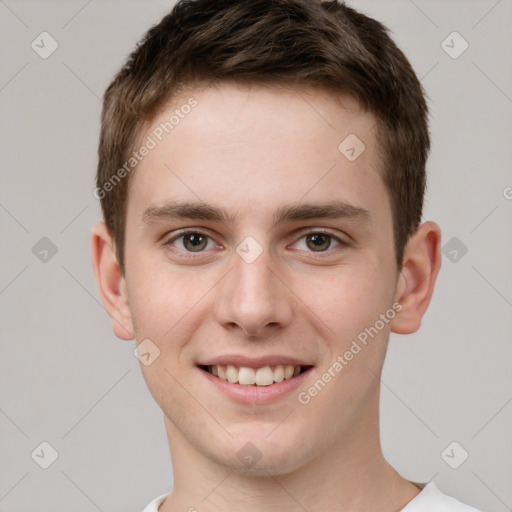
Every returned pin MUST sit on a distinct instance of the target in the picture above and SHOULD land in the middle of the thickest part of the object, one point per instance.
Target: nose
(254, 298)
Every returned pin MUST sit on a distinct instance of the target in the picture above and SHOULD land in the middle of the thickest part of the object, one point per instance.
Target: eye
(192, 241)
(318, 241)
(196, 242)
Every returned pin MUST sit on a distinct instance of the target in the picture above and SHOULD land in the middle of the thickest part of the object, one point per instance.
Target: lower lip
(248, 394)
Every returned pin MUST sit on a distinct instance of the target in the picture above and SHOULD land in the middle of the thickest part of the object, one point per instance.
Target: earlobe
(415, 285)
(110, 281)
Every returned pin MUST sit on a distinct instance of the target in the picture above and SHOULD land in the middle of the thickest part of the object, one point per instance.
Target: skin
(250, 151)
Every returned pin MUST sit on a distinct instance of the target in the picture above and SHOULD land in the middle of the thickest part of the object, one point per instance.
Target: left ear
(421, 264)
(111, 282)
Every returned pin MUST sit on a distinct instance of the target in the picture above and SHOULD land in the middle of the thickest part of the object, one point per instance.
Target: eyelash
(191, 254)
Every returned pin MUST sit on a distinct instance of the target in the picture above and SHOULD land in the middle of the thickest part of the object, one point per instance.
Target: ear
(111, 282)
(415, 286)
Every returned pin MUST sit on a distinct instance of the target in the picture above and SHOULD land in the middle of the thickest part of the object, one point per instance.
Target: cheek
(351, 305)
(348, 298)
(154, 308)
(169, 306)
(157, 301)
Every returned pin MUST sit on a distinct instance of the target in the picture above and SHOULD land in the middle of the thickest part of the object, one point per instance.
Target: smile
(247, 376)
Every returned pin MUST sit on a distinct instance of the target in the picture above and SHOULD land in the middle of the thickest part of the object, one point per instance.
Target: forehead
(259, 149)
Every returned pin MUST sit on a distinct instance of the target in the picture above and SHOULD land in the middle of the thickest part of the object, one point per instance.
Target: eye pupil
(196, 239)
(319, 241)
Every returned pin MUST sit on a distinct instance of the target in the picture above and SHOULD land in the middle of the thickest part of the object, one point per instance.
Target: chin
(260, 457)
(265, 467)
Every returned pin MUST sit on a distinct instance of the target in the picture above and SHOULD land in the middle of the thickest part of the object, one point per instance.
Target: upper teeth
(264, 376)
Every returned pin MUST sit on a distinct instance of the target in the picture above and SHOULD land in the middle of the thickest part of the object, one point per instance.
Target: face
(255, 240)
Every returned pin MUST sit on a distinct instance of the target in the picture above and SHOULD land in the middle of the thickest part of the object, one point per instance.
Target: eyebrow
(295, 212)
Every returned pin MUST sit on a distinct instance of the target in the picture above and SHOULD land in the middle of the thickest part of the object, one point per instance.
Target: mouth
(257, 377)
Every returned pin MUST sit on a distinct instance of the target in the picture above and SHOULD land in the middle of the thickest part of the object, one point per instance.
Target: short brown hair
(313, 43)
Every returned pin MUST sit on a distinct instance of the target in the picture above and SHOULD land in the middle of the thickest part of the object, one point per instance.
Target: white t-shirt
(430, 499)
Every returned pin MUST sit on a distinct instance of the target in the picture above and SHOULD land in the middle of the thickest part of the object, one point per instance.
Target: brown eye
(318, 242)
(192, 241)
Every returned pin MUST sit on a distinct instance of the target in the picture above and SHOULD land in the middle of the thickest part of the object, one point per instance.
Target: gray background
(65, 378)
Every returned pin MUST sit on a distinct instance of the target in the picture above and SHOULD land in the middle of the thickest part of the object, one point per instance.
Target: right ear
(111, 282)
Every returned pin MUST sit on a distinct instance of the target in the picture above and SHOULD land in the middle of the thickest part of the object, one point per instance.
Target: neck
(350, 475)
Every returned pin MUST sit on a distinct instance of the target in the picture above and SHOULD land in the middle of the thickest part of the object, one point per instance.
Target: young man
(261, 174)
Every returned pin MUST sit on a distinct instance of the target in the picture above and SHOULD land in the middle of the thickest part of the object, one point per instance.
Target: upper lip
(252, 361)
